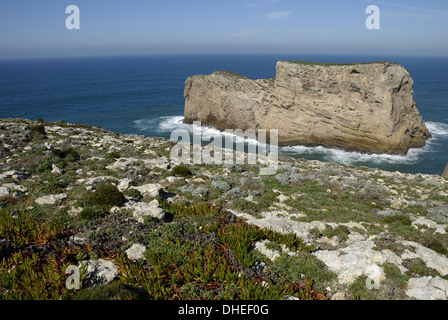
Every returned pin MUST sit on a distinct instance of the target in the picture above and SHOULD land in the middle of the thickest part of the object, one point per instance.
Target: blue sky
(30, 28)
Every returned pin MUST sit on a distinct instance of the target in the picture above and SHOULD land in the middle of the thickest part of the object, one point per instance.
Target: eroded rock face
(445, 173)
(356, 107)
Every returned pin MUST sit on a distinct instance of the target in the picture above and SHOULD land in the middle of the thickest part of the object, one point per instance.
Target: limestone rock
(15, 175)
(445, 173)
(56, 170)
(222, 185)
(150, 190)
(96, 180)
(339, 296)
(142, 209)
(353, 261)
(136, 251)
(270, 254)
(51, 199)
(428, 288)
(123, 184)
(431, 258)
(99, 272)
(276, 221)
(282, 198)
(356, 107)
(15, 187)
(4, 191)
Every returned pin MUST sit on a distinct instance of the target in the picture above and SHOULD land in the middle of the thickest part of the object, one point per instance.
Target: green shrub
(418, 267)
(303, 265)
(106, 196)
(242, 204)
(340, 231)
(44, 166)
(133, 193)
(258, 204)
(91, 213)
(38, 132)
(52, 184)
(360, 291)
(68, 154)
(401, 219)
(437, 246)
(181, 171)
(393, 272)
(115, 290)
(9, 198)
(113, 155)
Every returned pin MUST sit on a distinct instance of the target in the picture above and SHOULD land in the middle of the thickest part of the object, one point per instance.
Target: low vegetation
(206, 246)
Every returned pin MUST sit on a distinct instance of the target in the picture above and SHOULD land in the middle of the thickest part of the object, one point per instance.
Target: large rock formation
(357, 107)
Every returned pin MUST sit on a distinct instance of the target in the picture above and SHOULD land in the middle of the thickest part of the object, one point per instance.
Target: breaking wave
(208, 133)
(437, 128)
(356, 158)
(170, 123)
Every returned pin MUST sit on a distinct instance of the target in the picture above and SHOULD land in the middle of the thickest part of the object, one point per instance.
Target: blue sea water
(144, 95)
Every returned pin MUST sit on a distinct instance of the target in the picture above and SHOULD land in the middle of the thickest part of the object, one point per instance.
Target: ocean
(144, 95)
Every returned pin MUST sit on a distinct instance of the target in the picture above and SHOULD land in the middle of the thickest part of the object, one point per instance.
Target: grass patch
(341, 232)
(398, 220)
(416, 209)
(68, 154)
(437, 246)
(38, 132)
(133, 193)
(302, 266)
(181, 171)
(91, 213)
(115, 290)
(360, 291)
(339, 206)
(392, 272)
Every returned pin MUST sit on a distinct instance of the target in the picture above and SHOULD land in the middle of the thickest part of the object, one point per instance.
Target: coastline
(387, 162)
(155, 102)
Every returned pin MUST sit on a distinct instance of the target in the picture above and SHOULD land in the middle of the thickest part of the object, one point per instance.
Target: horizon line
(218, 53)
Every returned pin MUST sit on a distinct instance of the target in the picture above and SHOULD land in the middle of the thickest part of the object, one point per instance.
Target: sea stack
(366, 107)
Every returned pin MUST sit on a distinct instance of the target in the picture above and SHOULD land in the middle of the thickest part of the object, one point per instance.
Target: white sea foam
(145, 124)
(350, 158)
(168, 124)
(162, 124)
(208, 133)
(437, 128)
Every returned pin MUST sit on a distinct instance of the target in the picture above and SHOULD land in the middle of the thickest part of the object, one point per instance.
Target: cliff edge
(365, 107)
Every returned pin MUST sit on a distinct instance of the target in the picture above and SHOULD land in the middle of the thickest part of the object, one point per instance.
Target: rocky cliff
(356, 107)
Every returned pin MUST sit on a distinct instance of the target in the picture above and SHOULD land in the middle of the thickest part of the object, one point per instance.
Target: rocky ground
(140, 225)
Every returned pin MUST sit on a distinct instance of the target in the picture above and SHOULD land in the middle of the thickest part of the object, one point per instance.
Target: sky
(30, 28)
